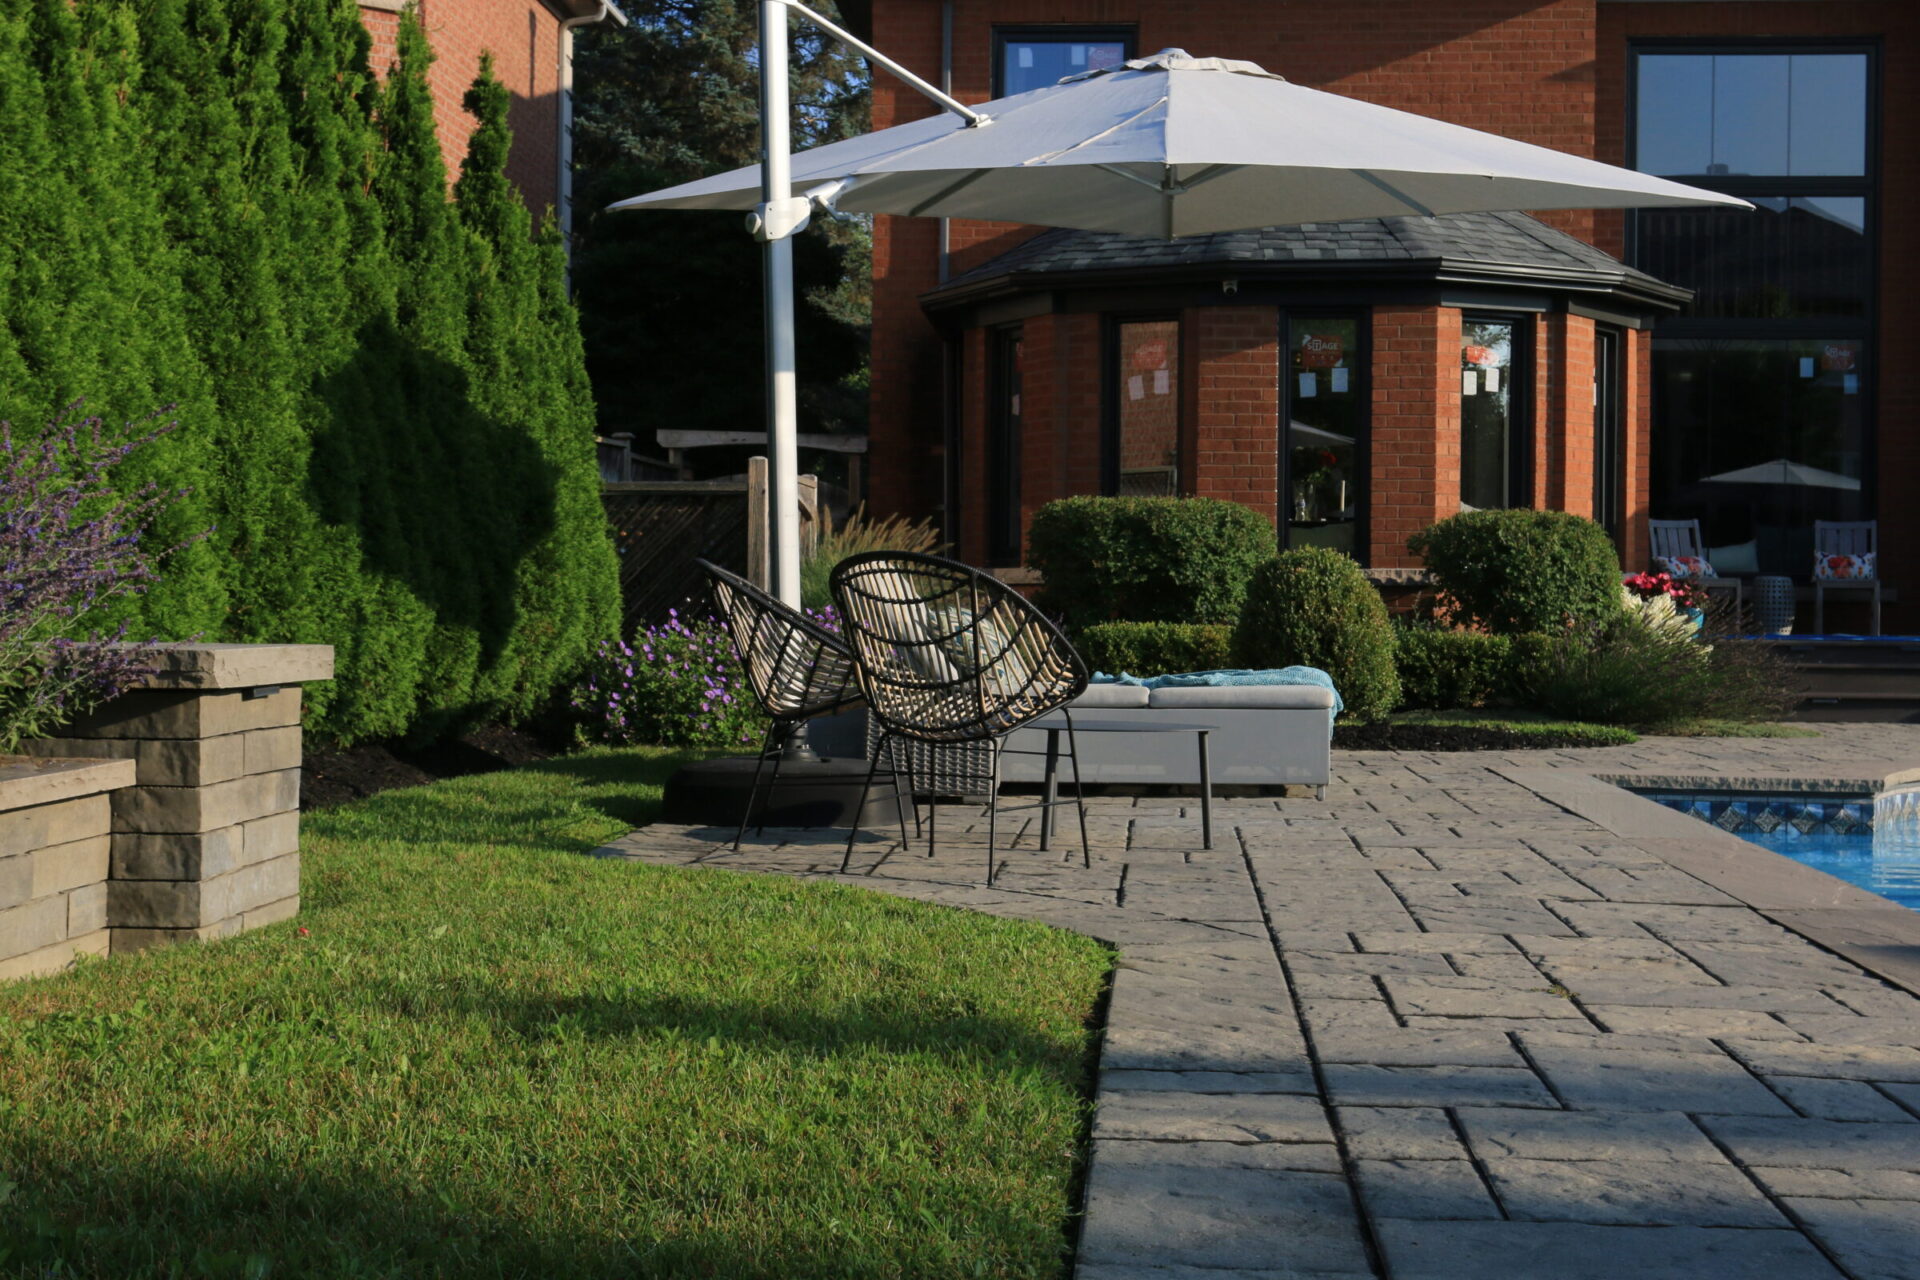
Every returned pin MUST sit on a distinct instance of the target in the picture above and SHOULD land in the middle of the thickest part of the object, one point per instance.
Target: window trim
(1362, 366)
(1110, 323)
(1060, 32)
(1521, 490)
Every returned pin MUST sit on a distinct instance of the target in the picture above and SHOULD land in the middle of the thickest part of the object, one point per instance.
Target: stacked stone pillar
(55, 820)
(206, 841)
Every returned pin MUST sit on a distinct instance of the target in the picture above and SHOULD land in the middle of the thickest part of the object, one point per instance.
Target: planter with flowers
(1664, 604)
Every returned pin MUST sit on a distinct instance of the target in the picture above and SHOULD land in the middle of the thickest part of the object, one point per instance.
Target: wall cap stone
(238, 666)
(26, 781)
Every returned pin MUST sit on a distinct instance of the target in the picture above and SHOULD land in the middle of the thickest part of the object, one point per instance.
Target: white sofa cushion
(1113, 695)
(1250, 697)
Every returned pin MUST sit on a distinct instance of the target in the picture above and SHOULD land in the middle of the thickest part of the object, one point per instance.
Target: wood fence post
(759, 544)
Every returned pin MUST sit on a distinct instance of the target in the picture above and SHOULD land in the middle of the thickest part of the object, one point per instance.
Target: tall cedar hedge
(384, 415)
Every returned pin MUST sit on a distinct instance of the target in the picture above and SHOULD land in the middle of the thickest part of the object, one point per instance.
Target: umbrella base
(810, 793)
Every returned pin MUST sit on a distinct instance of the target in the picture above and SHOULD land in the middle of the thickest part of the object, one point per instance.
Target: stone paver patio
(1474, 1015)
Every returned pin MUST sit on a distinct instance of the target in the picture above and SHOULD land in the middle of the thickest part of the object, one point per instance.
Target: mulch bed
(1384, 736)
(329, 778)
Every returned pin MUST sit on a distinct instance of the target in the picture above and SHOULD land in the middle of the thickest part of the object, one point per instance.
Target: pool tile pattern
(1765, 815)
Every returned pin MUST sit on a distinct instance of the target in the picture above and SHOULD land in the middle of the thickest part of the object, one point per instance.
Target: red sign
(1151, 354)
(1321, 350)
(1485, 357)
(1837, 359)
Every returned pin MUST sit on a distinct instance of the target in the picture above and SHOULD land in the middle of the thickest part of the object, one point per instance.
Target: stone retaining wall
(55, 825)
(206, 836)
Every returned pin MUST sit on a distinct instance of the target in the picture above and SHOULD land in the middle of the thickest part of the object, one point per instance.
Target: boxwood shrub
(1314, 607)
(1156, 648)
(1444, 670)
(1146, 559)
(1515, 571)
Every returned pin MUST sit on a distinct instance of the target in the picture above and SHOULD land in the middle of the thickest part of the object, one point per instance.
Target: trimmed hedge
(1520, 570)
(1146, 559)
(1156, 648)
(1314, 607)
(1443, 670)
(383, 406)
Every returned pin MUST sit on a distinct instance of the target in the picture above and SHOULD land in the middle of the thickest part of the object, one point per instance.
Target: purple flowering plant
(676, 684)
(71, 552)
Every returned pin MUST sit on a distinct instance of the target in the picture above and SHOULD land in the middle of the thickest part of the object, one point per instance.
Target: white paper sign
(1806, 366)
(1309, 386)
(1339, 376)
(1493, 380)
(1469, 384)
(1850, 384)
(1162, 382)
(1136, 388)
(1015, 407)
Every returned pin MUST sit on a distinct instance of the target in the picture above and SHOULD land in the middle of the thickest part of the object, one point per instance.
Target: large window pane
(1326, 414)
(1148, 400)
(1489, 436)
(1759, 438)
(1034, 62)
(1753, 114)
(1791, 257)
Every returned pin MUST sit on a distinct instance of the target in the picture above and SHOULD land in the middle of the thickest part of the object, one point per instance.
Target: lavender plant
(71, 553)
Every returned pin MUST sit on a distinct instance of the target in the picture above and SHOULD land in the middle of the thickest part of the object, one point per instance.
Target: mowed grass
(488, 1055)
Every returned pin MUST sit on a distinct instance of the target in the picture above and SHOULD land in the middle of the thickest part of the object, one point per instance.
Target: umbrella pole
(778, 220)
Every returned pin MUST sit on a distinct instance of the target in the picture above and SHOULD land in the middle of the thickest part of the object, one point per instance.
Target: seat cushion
(1113, 695)
(1289, 697)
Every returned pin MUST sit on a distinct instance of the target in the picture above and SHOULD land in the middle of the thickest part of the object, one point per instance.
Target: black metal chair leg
(853, 832)
(993, 807)
(913, 794)
(753, 793)
(899, 807)
(773, 783)
(1079, 791)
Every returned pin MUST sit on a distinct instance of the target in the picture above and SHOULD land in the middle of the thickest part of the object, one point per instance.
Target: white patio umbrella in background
(1781, 471)
(1169, 145)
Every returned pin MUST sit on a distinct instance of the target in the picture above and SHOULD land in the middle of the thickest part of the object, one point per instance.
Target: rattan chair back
(797, 668)
(947, 653)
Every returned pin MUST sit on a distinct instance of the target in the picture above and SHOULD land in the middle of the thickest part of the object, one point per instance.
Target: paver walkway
(1474, 1015)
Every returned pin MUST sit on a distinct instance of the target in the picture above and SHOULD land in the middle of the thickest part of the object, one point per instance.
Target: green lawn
(477, 1053)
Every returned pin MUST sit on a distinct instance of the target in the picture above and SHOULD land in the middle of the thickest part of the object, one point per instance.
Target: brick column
(1236, 422)
(1636, 400)
(1414, 453)
(1568, 439)
(206, 843)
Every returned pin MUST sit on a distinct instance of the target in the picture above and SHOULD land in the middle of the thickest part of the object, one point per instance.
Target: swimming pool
(1835, 834)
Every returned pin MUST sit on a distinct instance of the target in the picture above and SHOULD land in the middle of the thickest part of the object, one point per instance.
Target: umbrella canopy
(1173, 145)
(1781, 471)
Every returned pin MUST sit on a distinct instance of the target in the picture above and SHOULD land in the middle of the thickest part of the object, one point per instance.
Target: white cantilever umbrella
(1783, 472)
(1169, 145)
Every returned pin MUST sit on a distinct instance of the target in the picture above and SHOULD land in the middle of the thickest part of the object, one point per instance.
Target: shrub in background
(1621, 672)
(1156, 648)
(1146, 559)
(678, 685)
(70, 556)
(860, 533)
(1441, 670)
(1520, 570)
(1313, 606)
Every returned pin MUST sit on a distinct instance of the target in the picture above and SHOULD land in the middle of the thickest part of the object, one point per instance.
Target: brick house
(532, 46)
(1356, 381)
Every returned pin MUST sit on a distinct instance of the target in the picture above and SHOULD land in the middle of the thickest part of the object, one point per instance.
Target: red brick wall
(524, 39)
(1236, 373)
(1414, 459)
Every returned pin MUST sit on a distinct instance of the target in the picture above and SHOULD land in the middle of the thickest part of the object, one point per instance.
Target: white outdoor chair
(1675, 538)
(1845, 538)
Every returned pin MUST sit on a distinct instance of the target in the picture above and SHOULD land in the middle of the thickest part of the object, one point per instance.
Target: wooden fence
(661, 527)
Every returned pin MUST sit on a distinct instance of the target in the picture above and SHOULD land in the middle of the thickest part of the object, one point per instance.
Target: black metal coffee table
(1054, 726)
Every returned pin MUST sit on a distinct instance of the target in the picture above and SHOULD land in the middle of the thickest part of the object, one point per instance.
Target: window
(1003, 448)
(1493, 454)
(1762, 386)
(1034, 57)
(1323, 478)
(1143, 396)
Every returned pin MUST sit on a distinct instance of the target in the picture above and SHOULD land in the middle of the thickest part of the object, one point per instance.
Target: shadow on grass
(99, 1216)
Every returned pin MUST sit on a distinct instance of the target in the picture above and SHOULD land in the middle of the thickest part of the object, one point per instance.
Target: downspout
(946, 86)
(564, 149)
(950, 443)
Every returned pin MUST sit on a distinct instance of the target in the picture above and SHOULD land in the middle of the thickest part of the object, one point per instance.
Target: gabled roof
(1506, 248)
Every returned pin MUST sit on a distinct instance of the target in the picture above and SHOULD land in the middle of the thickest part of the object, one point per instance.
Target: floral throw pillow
(1837, 568)
(1681, 568)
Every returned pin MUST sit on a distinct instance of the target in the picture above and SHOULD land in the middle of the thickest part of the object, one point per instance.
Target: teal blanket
(1233, 676)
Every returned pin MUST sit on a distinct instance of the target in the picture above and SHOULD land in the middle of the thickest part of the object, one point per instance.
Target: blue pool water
(1834, 834)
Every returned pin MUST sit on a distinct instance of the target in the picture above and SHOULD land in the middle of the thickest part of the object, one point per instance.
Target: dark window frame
(1864, 328)
(1610, 432)
(1361, 366)
(1110, 324)
(1521, 491)
(1004, 445)
(1059, 33)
